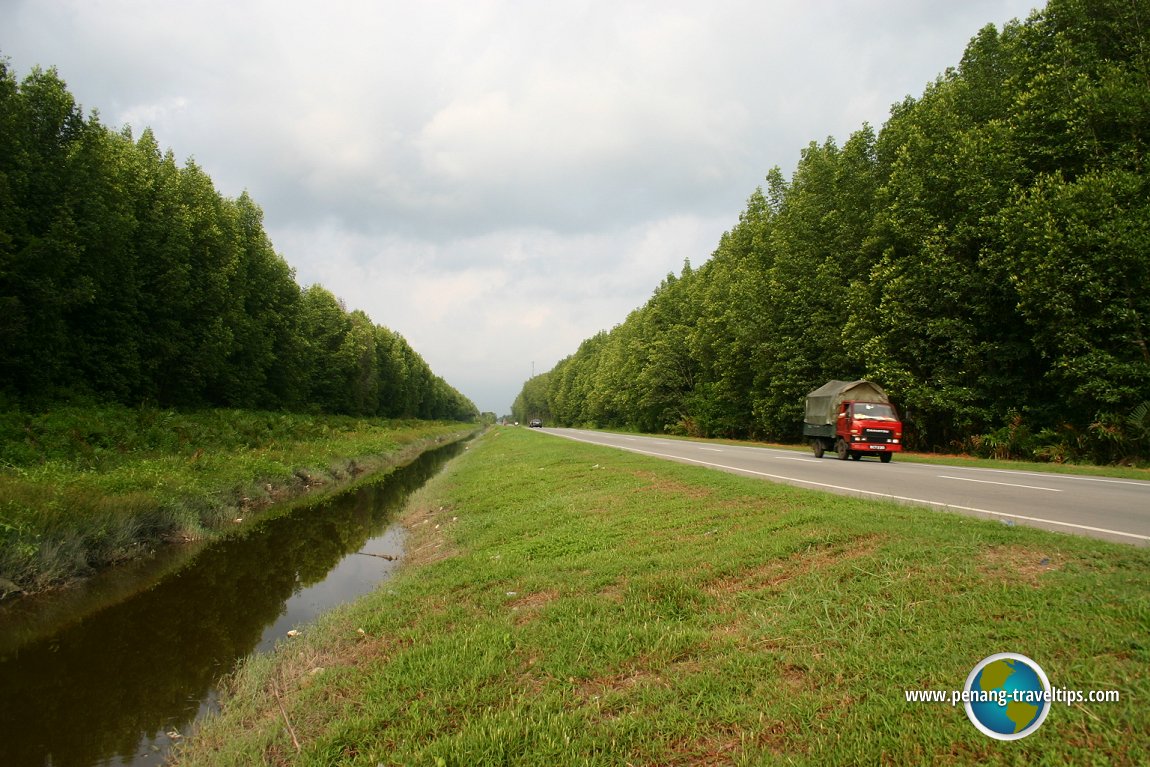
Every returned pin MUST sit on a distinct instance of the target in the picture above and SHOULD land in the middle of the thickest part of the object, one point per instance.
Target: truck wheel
(817, 447)
(885, 457)
(842, 450)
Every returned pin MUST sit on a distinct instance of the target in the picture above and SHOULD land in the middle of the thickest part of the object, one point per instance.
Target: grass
(568, 604)
(83, 488)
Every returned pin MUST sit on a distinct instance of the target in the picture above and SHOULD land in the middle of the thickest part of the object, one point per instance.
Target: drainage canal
(115, 671)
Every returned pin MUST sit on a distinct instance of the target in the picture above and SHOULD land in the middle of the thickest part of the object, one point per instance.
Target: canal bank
(83, 489)
(119, 670)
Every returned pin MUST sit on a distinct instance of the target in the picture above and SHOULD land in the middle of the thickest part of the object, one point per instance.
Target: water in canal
(101, 675)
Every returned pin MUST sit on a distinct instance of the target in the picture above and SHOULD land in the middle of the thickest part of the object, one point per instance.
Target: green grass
(567, 604)
(85, 487)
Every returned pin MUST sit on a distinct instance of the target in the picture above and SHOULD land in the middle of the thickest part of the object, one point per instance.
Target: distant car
(536, 423)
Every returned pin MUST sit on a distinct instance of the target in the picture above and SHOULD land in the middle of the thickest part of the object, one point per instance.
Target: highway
(1100, 507)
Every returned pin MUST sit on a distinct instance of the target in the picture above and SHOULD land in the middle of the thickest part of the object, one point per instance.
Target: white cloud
(483, 308)
(495, 179)
(166, 112)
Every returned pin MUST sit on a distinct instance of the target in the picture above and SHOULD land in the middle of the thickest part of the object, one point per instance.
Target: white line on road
(1049, 476)
(939, 504)
(1004, 484)
(711, 449)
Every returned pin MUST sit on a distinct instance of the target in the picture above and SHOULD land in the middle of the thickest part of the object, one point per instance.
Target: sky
(495, 180)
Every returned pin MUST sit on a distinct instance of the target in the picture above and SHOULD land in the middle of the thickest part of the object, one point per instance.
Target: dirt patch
(601, 686)
(536, 600)
(767, 575)
(777, 739)
(616, 593)
(795, 677)
(777, 572)
(656, 483)
(358, 649)
(427, 523)
(724, 744)
(527, 606)
(1017, 564)
(642, 672)
(714, 748)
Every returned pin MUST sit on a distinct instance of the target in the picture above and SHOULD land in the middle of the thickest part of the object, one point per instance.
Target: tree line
(985, 257)
(126, 277)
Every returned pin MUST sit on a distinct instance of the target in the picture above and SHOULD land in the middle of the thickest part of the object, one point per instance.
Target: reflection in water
(109, 687)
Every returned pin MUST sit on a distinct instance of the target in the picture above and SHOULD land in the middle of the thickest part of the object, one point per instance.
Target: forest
(127, 278)
(985, 257)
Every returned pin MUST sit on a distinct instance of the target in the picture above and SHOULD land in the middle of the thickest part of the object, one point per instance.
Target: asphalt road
(1111, 509)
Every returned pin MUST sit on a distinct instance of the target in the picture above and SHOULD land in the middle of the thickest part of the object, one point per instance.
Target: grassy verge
(82, 488)
(567, 604)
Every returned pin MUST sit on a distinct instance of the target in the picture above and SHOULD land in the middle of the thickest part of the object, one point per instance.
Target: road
(1100, 507)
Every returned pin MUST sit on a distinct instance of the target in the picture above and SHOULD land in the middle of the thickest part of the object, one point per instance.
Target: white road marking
(1004, 484)
(1052, 476)
(939, 504)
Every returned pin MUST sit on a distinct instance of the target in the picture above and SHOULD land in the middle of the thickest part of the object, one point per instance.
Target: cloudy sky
(496, 181)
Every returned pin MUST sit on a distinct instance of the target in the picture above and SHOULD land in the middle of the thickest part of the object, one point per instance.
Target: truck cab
(867, 428)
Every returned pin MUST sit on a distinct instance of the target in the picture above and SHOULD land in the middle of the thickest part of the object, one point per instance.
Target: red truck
(852, 418)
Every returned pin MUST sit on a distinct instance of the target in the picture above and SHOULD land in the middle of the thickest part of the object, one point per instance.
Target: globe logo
(1007, 696)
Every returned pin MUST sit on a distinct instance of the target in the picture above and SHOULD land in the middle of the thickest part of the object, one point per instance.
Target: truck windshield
(874, 411)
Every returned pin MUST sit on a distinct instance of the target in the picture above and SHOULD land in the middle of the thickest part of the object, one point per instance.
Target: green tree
(532, 400)
(733, 322)
(41, 258)
(359, 351)
(103, 178)
(1078, 258)
(329, 366)
(819, 239)
(263, 316)
(126, 277)
(667, 371)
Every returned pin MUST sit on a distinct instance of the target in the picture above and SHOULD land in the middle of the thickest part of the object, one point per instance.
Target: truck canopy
(823, 403)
